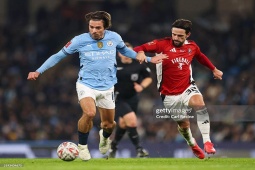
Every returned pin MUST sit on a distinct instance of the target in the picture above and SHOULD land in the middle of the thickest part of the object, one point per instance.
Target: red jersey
(175, 73)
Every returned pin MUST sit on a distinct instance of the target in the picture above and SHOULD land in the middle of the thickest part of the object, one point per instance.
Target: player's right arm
(69, 48)
(139, 56)
(151, 47)
(50, 62)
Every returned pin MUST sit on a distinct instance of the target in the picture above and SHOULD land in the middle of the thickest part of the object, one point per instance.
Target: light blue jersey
(97, 58)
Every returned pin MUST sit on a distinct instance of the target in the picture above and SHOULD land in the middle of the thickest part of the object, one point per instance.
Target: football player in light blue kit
(97, 76)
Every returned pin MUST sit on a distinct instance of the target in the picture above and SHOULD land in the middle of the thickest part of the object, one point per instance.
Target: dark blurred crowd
(48, 109)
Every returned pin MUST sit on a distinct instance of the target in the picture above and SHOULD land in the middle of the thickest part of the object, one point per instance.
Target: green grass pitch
(129, 164)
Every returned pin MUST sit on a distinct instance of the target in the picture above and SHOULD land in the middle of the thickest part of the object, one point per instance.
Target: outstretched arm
(50, 62)
(150, 47)
(155, 59)
(140, 56)
(217, 74)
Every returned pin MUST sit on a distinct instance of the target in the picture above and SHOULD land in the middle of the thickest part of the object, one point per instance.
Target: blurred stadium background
(36, 116)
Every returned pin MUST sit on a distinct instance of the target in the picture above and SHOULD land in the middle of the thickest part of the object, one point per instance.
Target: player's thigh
(106, 115)
(106, 99)
(84, 91)
(133, 103)
(88, 106)
(122, 123)
(192, 97)
(175, 107)
(196, 101)
(122, 108)
(86, 97)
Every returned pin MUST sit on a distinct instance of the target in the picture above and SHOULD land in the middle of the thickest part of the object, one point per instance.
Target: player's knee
(132, 124)
(108, 125)
(122, 124)
(196, 102)
(89, 114)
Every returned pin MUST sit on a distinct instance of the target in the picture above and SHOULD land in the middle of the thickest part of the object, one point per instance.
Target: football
(68, 151)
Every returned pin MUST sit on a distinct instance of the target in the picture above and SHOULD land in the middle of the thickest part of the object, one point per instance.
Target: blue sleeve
(124, 50)
(130, 53)
(72, 46)
(51, 61)
(127, 52)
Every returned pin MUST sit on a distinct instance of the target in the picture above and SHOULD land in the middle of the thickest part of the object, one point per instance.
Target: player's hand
(217, 74)
(158, 58)
(141, 57)
(33, 75)
(138, 87)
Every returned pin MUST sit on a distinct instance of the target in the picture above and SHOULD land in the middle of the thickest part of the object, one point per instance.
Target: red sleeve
(202, 59)
(151, 47)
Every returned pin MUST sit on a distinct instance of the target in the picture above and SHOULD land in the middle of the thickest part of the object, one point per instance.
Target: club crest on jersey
(109, 43)
(100, 44)
(180, 65)
(134, 77)
(189, 50)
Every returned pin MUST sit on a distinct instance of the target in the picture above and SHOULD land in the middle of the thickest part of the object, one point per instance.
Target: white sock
(203, 123)
(186, 133)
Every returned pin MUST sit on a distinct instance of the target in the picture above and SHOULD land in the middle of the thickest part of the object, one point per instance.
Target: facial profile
(181, 30)
(98, 21)
(96, 29)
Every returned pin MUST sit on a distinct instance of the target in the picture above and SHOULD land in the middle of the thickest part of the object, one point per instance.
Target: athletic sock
(134, 137)
(203, 123)
(119, 133)
(106, 134)
(186, 133)
(83, 138)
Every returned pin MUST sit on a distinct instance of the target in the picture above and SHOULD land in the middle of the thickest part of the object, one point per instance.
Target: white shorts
(103, 99)
(177, 105)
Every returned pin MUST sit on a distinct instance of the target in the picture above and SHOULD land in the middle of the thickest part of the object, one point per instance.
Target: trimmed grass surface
(129, 164)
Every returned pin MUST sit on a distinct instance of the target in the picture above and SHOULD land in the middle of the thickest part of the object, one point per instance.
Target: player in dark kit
(133, 78)
(176, 85)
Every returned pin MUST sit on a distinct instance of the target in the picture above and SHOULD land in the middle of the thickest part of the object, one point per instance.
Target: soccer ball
(68, 151)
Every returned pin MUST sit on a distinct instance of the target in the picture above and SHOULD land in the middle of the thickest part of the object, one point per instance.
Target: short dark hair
(100, 15)
(183, 24)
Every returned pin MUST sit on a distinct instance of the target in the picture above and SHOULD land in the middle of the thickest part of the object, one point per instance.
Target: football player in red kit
(176, 85)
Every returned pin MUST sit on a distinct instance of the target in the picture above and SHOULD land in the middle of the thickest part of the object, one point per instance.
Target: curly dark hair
(100, 15)
(183, 24)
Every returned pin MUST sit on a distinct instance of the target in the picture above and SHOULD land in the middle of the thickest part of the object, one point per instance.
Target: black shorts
(124, 106)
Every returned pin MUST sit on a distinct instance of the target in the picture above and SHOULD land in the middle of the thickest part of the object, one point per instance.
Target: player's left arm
(146, 81)
(202, 59)
(132, 54)
(144, 84)
(140, 56)
(50, 62)
(217, 74)
(124, 50)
